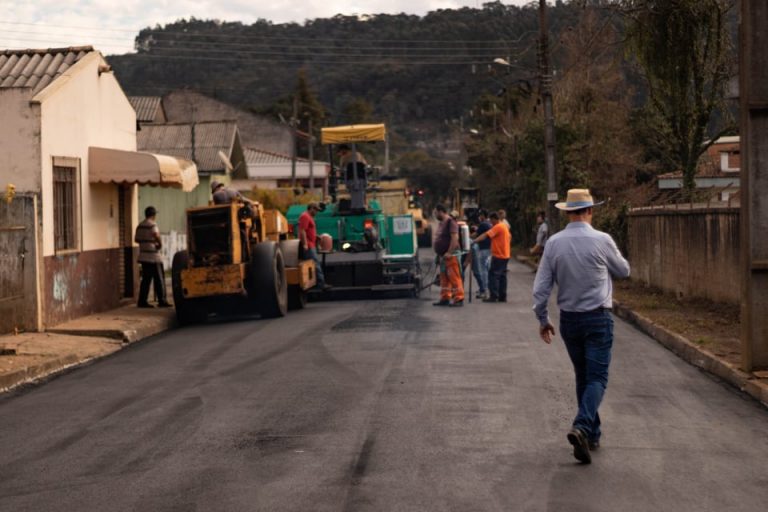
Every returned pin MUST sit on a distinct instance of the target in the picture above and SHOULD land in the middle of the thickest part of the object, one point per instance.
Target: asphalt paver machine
(371, 250)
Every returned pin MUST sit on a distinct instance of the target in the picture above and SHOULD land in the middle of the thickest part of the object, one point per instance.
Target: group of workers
(490, 253)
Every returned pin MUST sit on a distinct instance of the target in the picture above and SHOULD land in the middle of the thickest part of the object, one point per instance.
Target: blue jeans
(497, 278)
(311, 254)
(588, 338)
(481, 259)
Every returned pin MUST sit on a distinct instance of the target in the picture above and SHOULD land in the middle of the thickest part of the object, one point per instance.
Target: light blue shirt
(580, 260)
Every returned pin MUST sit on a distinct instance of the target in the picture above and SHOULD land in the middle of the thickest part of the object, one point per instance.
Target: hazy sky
(111, 25)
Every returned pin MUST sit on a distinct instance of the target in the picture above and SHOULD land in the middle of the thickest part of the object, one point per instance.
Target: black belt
(596, 310)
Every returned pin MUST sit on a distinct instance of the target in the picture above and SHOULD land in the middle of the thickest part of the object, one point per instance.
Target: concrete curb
(695, 355)
(122, 337)
(38, 371)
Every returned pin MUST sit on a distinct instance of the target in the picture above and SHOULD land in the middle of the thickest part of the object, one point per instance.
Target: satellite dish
(225, 160)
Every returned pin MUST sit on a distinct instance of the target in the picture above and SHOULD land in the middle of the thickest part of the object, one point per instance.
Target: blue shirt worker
(581, 261)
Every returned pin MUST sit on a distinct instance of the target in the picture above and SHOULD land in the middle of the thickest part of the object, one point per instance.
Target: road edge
(687, 350)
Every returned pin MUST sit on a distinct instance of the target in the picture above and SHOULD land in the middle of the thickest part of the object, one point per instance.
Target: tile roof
(266, 164)
(262, 157)
(146, 107)
(175, 139)
(37, 68)
(182, 106)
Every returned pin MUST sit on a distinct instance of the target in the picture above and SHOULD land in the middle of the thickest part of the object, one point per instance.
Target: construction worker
(308, 240)
(446, 246)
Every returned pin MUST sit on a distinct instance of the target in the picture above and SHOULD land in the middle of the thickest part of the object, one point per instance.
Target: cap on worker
(454, 214)
(150, 211)
(577, 199)
(214, 185)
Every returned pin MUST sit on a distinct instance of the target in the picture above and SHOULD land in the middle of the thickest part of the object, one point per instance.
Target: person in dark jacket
(148, 238)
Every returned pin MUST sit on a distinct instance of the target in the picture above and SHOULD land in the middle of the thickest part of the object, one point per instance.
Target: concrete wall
(19, 140)
(689, 252)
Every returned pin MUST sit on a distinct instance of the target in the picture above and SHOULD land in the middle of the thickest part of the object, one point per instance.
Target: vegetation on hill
(433, 80)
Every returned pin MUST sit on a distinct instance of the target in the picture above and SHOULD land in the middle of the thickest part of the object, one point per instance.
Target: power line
(259, 36)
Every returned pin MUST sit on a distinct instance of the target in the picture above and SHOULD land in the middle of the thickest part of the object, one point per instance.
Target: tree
(685, 53)
(437, 178)
(357, 111)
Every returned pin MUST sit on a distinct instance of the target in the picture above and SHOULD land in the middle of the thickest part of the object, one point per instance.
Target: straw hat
(577, 199)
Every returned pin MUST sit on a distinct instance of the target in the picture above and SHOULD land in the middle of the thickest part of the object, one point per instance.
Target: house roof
(176, 139)
(146, 107)
(37, 68)
(267, 164)
(709, 167)
(184, 106)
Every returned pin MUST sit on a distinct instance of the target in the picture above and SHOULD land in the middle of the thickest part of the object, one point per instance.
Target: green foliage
(685, 52)
(436, 177)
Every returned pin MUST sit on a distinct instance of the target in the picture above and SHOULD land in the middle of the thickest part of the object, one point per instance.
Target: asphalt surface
(378, 405)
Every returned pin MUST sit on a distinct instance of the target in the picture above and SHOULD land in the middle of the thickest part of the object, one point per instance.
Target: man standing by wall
(581, 260)
(481, 255)
(500, 243)
(446, 246)
(542, 234)
(308, 240)
(148, 238)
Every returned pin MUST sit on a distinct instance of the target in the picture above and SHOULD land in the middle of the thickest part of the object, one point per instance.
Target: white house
(70, 171)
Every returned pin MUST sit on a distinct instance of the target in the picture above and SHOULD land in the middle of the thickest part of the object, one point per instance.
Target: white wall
(19, 141)
(82, 109)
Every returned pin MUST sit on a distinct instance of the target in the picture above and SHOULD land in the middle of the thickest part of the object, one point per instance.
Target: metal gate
(18, 284)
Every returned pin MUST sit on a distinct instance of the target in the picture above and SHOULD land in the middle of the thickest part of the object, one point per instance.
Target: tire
(186, 312)
(297, 298)
(290, 250)
(267, 286)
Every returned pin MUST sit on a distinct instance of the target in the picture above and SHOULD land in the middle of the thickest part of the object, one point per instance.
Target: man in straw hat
(581, 260)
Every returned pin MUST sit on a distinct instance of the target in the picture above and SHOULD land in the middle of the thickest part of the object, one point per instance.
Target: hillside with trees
(622, 113)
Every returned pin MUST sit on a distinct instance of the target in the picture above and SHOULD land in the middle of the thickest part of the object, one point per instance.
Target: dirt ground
(713, 326)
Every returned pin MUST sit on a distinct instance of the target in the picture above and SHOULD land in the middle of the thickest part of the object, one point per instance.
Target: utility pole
(753, 85)
(545, 90)
(311, 156)
(294, 120)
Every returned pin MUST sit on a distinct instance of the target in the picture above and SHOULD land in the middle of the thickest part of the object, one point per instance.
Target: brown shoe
(580, 446)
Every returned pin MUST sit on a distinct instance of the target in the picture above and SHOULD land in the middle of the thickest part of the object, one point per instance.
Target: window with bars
(65, 200)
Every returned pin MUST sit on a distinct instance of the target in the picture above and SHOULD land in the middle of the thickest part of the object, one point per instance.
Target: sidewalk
(28, 357)
(754, 384)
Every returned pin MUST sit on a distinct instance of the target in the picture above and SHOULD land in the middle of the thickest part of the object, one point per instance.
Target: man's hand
(546, 332)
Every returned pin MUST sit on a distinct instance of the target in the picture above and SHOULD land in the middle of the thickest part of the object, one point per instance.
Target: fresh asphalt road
(387, 405)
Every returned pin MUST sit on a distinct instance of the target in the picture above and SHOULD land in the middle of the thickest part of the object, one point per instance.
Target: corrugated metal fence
(172, 242)
(689, 251)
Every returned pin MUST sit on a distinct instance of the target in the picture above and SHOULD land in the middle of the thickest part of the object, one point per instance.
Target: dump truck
(372, 250)
(240, 260)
